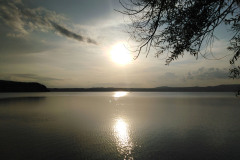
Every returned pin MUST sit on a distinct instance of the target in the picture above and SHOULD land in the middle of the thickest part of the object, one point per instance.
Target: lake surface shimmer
(119, 126)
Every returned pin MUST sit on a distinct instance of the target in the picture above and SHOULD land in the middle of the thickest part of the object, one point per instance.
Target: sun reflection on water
(120, 94)
(123, 140)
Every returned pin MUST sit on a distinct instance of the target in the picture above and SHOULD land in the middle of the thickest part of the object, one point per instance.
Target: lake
(119, 125)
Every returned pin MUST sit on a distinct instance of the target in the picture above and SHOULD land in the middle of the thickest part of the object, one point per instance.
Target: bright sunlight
(120, 54)
(122, 135)
(120, 94)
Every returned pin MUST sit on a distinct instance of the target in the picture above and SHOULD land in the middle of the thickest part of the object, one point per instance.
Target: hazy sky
(68, 43)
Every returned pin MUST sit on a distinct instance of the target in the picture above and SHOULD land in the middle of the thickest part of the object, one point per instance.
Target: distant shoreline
(220, 88)
(13, 86)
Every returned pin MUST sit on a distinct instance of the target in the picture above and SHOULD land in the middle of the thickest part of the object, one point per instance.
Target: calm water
(117, 126)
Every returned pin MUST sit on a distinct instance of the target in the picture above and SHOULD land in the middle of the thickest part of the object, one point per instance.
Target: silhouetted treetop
(177, 26)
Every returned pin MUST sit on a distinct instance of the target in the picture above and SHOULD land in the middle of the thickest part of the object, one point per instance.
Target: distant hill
(12, 86)
(220, 88)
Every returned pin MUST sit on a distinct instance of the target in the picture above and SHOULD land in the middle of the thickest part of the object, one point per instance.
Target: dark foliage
(235, 46)
(11, 86)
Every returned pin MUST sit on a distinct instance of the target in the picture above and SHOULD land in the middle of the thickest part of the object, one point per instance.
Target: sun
(120, 54)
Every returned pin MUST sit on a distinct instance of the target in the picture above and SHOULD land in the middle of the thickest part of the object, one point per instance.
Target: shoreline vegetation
(12, 86)
(219, 88)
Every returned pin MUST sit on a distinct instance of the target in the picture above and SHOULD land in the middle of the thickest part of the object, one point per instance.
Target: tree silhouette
(175, 27)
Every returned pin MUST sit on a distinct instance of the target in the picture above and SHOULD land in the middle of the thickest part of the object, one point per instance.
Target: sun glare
(120, 54)
(120, 94)
(123, 139)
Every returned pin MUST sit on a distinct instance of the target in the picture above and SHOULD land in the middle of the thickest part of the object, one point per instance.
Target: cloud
(66, 32)
(28, 77)
(24, 20)
(208, 74)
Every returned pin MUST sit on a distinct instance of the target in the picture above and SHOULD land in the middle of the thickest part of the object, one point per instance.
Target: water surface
(119, 125)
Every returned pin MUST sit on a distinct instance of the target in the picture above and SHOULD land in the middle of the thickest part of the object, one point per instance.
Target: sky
(72, 43)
